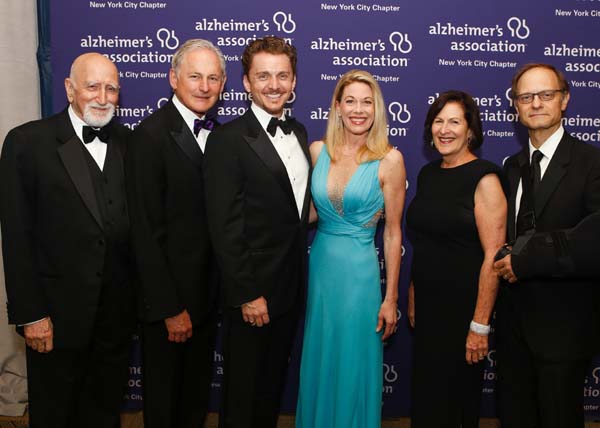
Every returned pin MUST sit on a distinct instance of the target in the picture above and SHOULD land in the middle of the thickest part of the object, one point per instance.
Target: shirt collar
(263, 117)
(187, 115)
(76, 122)
(549, 146)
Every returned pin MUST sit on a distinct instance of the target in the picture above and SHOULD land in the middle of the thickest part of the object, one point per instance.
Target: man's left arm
(566, 252)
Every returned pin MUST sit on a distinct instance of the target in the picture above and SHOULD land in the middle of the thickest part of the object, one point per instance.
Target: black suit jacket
(557, 296)
(52, 232)
(171, 240)
(257, 233)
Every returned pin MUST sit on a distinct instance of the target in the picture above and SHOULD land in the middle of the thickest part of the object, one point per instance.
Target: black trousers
(84, 387)
(256, 360)
(534, 392)
(176, 376)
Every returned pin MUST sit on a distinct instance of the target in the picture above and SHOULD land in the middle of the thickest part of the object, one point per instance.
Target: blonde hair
(377, 144)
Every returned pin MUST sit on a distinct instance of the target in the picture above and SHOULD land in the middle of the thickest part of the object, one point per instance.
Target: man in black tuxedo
(257, 192)
(172, 246)
(65, 236)
(547, 313)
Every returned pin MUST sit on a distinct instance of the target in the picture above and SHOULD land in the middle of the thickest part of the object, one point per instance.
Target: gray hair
(197, 44)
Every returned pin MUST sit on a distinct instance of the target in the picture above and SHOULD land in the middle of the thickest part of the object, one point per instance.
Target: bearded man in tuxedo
(65, 237)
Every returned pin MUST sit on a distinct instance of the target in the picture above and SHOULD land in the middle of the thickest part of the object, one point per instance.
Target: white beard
(94, 118)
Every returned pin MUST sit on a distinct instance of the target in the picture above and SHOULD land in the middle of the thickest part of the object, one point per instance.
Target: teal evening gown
(342, 355)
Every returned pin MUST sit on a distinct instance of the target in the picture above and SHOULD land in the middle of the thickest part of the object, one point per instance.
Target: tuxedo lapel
(72, 156)
(514, 178)
(303, 140)
(258, 140)
(553, 175)
(183, 136)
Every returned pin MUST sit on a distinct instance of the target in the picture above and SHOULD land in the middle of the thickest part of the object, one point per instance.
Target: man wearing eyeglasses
(173, 251)
(65, 237)
(547, 312)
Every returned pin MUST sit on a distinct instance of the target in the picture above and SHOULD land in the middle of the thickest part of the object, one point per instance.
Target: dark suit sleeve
(146, 188)
(224, 180)
(26, 298)
(568, 252)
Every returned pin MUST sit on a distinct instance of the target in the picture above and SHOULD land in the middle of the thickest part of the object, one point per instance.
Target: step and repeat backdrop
(415, 50)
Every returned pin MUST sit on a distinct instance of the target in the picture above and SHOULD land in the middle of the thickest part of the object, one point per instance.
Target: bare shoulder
(315, 150)
(489, 192)
(393, 158)
(489, 183)
(391, 168)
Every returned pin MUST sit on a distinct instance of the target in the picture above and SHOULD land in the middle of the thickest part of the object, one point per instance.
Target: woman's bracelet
(480, 329)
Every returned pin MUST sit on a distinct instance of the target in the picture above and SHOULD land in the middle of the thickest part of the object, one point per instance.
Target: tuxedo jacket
(53, 237)
(259, 237)
(173, 252)
(557, 296)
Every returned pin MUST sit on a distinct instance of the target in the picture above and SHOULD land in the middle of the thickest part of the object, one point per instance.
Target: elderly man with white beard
(65, 238)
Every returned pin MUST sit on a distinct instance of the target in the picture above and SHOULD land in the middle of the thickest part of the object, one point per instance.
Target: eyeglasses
(547, 95)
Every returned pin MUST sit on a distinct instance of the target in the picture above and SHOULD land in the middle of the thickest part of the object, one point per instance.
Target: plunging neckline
(345, 188)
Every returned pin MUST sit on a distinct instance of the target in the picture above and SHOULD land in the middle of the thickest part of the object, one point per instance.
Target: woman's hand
(388, 316)
(476, 347)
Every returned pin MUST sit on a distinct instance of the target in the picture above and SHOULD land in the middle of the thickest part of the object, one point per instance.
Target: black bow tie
(285, 125)
(90, 133)
(199, 124)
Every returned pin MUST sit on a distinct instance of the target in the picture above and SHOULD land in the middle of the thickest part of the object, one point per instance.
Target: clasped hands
(179, 327)
(256, 312)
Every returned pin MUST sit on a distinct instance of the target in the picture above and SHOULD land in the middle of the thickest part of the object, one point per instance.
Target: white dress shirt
(547, 148)
(96, 147)
(291, 154)
(189, 117)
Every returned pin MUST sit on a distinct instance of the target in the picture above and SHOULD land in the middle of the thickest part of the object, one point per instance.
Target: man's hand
(39, 335)
(179, 327)
(503, 269)
(256, 312)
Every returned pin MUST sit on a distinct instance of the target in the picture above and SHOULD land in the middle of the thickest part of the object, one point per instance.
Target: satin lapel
(303, 140)
(262, 146)
(115, 149)
(554, 174)
(514, 177)
(184, 137)
(73, 159)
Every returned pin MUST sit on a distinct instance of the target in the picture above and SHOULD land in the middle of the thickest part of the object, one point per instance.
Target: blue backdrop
(415, 49)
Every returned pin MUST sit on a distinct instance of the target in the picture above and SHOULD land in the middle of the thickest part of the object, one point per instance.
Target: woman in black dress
(456, 223)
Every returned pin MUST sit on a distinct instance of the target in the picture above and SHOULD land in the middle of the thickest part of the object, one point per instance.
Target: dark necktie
(536, 172)
(526, 215)
(285, 125)
(199, 124)
(90, 133)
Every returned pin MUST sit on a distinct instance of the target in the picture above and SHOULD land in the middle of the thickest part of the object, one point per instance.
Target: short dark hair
(562, 81)
(471, 116)
(272, 45)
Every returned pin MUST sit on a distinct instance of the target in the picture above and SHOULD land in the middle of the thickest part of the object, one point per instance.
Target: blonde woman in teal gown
(356, 175)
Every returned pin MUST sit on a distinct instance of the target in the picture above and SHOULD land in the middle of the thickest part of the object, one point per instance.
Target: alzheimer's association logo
(284, 22)
(518, 28)
(400, 42)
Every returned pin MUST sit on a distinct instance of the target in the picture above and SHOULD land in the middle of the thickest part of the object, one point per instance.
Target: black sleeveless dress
(447, 258)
